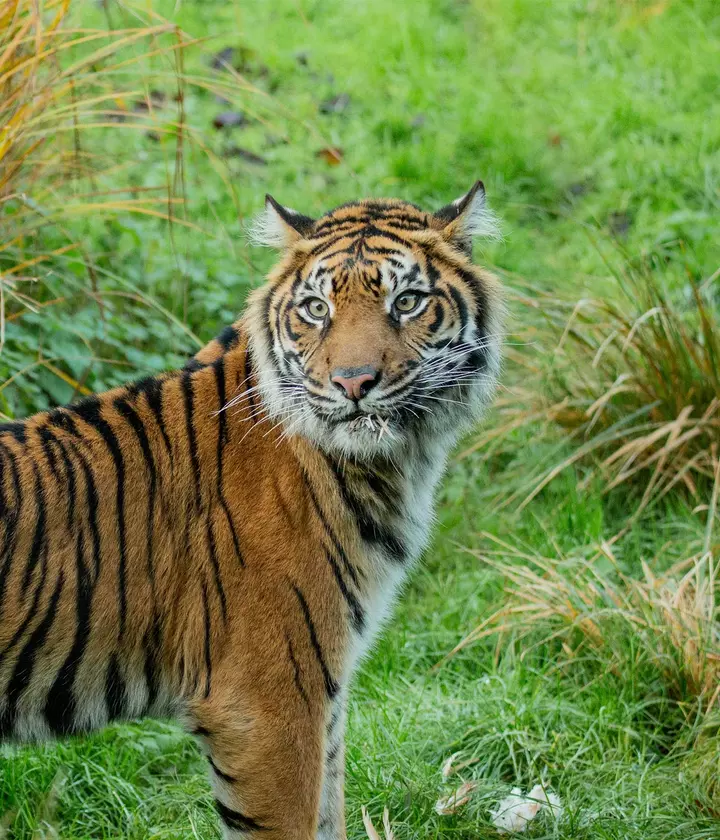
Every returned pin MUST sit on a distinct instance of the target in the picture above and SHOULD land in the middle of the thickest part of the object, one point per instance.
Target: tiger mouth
(374, 423)
(359, 421)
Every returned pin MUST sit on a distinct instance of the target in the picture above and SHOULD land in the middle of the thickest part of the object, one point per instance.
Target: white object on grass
(513, 813)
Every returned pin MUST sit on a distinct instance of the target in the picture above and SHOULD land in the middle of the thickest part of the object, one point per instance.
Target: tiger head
(375, 328)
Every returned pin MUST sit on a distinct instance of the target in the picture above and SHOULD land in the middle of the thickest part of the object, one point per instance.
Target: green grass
(588, 121)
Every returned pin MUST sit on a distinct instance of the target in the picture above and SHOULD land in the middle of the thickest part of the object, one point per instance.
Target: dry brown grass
(634, 382)
(668, 623)
(65, 91)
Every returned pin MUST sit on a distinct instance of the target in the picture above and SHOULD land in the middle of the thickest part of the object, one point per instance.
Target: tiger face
(375, 328)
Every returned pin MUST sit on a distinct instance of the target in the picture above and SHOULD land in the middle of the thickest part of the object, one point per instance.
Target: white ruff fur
(441, 431)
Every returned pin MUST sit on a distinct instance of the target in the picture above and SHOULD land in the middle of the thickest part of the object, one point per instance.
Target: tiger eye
(407, 302)
(316, 308)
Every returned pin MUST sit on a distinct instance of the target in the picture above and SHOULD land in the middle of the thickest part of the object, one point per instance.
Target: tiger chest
(394, 536)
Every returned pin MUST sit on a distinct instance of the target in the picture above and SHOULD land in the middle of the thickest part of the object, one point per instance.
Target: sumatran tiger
(221, 543)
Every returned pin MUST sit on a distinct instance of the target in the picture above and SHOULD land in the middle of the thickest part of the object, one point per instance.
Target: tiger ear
(466, 217)
(277, 226)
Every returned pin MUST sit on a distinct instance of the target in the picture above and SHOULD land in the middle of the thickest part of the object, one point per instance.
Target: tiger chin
(221, 543)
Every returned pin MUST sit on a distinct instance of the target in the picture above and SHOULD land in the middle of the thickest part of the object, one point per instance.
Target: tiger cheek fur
(198, 544)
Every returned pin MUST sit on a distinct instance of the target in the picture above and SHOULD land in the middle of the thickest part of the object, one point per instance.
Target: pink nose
(355, 382)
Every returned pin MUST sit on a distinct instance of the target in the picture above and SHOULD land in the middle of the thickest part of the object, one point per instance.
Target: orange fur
(175, 547)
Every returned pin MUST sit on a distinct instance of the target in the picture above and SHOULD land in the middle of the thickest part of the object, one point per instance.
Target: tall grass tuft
(664, 625)
(60, 86)
(635, 382)
(93, 132)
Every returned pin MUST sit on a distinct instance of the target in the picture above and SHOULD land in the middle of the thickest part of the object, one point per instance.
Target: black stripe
(212, 550)
(92, 508)
(133, 418)
(228, 338)
(152, 387)
(192, 365)
(189, 404)
(38, 541)
(370, 530)
(334, 719)
(89, 411)
(22, 673)
(219, 369)
(383, 489)
(438, 317)
(60, 703)
(201, 731)
(218, 772)
(12, 534)
(480, 297)
(151, 647)
(63, 420)
(330, 225)
(333, 753)
(115, 692)
(16, 429)
(46, 441)
(237, 821)
(70, 476)
(331, 686)
(153, 395)
(356, 610)
(247, 375)
(319, 250)
(332, 536)
(208, 652)
(31, 613)
(460, 304)
(296, 672)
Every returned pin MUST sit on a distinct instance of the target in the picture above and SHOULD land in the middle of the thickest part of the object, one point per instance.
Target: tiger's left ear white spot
(276, 226)
(466, 217)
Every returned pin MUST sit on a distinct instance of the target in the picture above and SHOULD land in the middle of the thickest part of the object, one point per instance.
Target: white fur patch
(478, 219)
(268, 230)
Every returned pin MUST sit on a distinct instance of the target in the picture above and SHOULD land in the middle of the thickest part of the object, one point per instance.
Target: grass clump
(664, 626)
(634, 381)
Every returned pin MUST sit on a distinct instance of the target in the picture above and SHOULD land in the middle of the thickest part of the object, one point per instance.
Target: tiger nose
(355, 382)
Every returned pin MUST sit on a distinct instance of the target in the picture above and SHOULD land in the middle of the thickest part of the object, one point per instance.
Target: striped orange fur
(221, 543)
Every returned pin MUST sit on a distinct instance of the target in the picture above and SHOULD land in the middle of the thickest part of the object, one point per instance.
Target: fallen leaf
(452, 765)
(332, 155)
(619, 224)
(245, 154)
(156, 99)
(578, 188)
(223, 59)
(370, 829)
(229, 119)
(452, 803)
(447, 769)
(336, 104)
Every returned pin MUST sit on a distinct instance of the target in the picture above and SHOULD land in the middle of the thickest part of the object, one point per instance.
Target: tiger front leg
(331, 825)
(266, 769)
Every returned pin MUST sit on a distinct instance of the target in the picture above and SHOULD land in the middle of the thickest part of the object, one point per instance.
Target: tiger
(220, 544)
